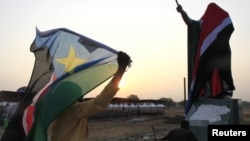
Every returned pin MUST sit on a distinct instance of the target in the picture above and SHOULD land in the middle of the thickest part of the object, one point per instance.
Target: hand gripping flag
(209, 55)
(67, 66)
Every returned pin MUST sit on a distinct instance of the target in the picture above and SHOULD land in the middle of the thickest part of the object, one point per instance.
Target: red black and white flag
(210, 64)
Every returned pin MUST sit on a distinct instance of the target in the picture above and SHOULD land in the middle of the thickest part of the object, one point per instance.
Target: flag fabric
(210, 55)
(68, 65)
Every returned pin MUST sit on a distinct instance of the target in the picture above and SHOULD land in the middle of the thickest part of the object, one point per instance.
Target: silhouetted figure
(71, 125)
(181, 134)
(138, 111)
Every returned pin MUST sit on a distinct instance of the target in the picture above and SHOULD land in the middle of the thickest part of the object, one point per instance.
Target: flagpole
(185, 94)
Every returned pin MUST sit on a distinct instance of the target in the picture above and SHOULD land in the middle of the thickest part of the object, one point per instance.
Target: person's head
(185, 124)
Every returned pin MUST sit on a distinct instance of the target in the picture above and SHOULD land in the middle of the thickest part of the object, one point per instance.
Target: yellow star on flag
(71, 61)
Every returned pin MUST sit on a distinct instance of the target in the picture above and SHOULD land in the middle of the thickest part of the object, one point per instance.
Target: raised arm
(101, 101)
(184, 15)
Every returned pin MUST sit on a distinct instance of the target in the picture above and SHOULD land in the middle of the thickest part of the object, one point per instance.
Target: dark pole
(177, 2)
(154, 133)
(184, 93)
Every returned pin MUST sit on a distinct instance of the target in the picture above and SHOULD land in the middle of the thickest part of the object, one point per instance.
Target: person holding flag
(71, 125)
(67, 66)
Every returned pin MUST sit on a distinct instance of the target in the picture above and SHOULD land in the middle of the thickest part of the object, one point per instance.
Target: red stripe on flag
(29, 118)
(216, 83)
(213, 17)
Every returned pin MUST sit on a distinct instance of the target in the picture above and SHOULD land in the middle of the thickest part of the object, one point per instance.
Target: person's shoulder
(190, 132)
(192, 136)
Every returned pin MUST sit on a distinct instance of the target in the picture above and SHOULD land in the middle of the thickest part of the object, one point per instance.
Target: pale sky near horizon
(152, 32)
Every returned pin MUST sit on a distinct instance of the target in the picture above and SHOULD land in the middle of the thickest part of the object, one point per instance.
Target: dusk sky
(152, 32)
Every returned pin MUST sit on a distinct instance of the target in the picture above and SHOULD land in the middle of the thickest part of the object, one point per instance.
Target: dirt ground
(140, 129)
(132, 128)
(129, 129)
